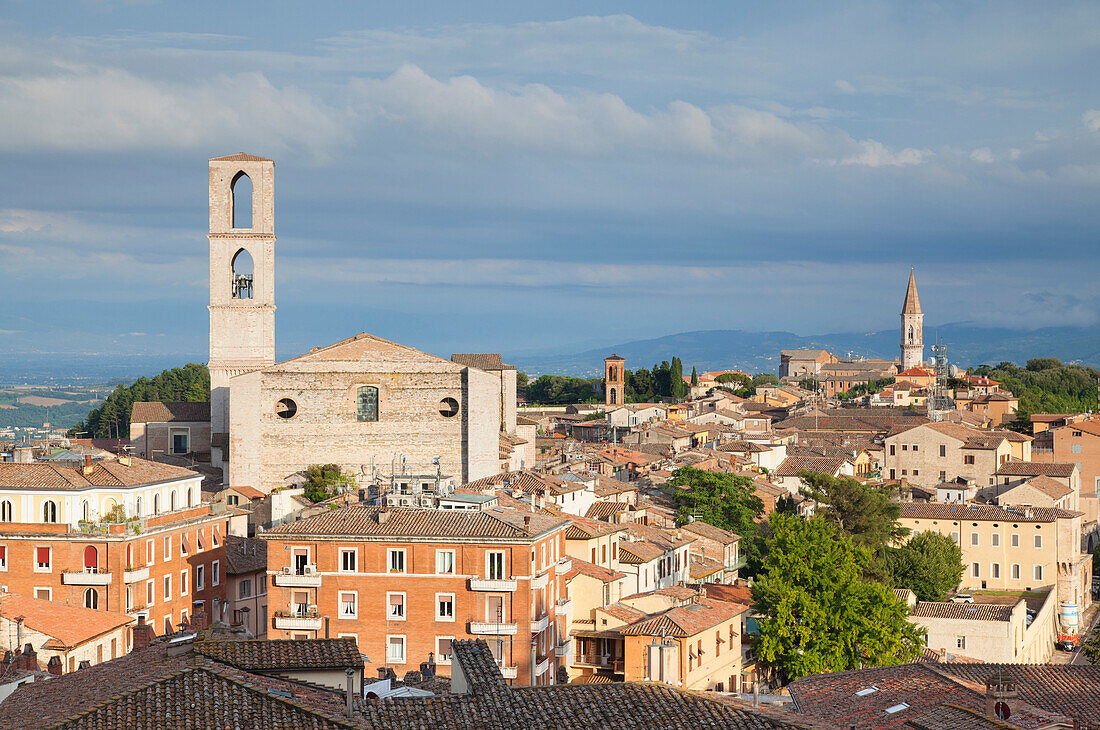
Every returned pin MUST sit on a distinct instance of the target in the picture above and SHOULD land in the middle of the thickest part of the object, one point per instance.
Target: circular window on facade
(286, 408)
(448, 408)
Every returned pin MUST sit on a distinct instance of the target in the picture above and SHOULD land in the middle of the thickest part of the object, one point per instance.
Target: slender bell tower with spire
(912, 325)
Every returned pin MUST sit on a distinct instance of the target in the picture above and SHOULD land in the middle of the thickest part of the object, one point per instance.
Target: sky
(535, 176)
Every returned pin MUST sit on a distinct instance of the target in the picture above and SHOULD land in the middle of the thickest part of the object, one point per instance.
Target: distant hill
(758, 352)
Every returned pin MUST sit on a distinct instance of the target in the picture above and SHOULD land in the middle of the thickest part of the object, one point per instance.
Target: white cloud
(1091, 118)
(983, 155)
(844, 87)
(876, 154)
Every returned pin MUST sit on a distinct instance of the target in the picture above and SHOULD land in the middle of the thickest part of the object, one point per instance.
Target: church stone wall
(482, 438)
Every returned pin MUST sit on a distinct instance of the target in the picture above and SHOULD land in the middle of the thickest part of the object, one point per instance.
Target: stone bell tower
(614, 380)
(242, 281)
(912, 326)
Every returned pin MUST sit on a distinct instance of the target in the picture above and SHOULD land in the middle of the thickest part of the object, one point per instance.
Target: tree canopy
(111, 419)
(1045, 385)
(861, 510)
(818, 612)
(323, 481)
(723, 500)
(559, 390)
(929, 564)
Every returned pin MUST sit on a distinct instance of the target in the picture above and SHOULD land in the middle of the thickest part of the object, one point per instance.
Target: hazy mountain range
(758, 352)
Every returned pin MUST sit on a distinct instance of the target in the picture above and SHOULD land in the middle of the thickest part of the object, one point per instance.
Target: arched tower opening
(241, 191)
(243, 274)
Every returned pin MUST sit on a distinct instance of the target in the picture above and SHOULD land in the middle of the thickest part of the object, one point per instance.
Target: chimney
(382, 515)
(350, 674)
(1001, 696)
(54, 665)
(30, 657)
(87, 464)
(143, 634)
(84, 664)
(125, 460)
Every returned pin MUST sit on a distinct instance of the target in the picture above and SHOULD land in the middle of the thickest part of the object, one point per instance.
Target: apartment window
(150, 552)
(395, 649)
(904, 472)
(892, 474)
(905, 447)
(915, 447)
(1075, 449)
(49, 511)
(91, 598)
(968, 459)
(960, 642)
(1015, 571)
(214, 536)
(215, 572)
(1038, 541)
(444, 607)
(3, 557)
(996, 570)
(167, 548)
(349, 604)
(1015, 540)
(444, 562)
(494, 565)
(443, 649)
(43, 594)
(347, 560)
(300, 601)
(200, 577)
(168, 588)
(996, 539)
(975, 570)
(893, 450)
(43, 559)
(183, 582)
(395, 606)
(150, 592)
(198, 541)
(244, 588)
(5, 511)
(916, 472)
(396, 560)
(183, 545)
(168, 625)
(943, 450)
(943, 476)
(973, 538)
(1038, 572)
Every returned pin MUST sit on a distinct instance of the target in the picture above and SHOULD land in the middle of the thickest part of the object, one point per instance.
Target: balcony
(540, 581)
(565, 565)
(563, 648)
(298, 621)
(485, 628)
(542, 666)
(597, 660)
(507, 585)
(89, 577)
(564, 605)
(508, 672)
(135, 575)
(307, 578)
(538, 626)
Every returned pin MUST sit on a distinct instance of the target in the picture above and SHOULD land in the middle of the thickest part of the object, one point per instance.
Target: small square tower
(614, 376)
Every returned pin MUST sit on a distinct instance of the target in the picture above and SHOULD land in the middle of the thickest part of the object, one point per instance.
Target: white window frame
(354, 604)
(974, 539)
(439, 617)
(354, 553)
(167, 587)
(185, 575)
(490, 554)
(49, 566)
(439, 554)
(150, 551)
(4, 558)
(1014, 571)
(975, 570)
(167, 548)
(995, 571)
(1015, 542)
(439, 657)
(1037, 572)
(215, 572)
(390, 554)
(200, 577)
(403, 659)
(404, 606)
(1038, 542)
(995, 539)
(151, 592)
(48, 589)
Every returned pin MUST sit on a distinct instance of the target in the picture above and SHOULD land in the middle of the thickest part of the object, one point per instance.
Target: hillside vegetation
(1046, 385)
(112, 418)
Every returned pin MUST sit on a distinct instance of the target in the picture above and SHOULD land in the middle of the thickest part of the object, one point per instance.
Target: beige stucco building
(933, 453)
(992, 632)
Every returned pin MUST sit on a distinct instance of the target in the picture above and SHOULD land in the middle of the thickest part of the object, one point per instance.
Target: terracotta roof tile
(498, 522)
(157, 412)
(269, 655)
(71, 625)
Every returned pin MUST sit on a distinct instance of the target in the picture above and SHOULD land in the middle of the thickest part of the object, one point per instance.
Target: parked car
(1066, 646)
(962, 598)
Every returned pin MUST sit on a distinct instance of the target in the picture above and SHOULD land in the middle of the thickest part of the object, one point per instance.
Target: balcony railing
(542, 666)
(486, 628)
(540, 581)
(508, 672)
(85, 578)
(564, 605)
(305, 578)
(135, 575)
(565, 565)
(309, 621)
(598, 660)
(506, 585)
(539, 625)
(563, 647)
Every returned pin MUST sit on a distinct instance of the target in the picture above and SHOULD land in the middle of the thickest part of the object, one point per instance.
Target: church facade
(378, 409)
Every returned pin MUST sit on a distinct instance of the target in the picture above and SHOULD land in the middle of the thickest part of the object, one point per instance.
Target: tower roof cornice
(912, 301)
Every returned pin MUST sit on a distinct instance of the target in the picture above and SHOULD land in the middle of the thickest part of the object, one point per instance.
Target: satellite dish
(953, 371)
(1002, 710)
(931, 361)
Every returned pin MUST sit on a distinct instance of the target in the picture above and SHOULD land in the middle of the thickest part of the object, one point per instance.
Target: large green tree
(863, 511)
(929, 564)
(324, 480)
(722, 500)
(1045, 385)
(818, 613)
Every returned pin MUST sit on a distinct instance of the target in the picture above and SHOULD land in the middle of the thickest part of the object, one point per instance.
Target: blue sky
(506, 176)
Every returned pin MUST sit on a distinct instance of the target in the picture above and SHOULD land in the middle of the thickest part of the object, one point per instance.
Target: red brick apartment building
(165, 565)
(406, 582)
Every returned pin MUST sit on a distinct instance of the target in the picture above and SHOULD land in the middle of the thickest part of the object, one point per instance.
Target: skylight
(897, 708)
(866, 691)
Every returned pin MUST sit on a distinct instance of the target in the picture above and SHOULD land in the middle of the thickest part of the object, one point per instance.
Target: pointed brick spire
(912, 301)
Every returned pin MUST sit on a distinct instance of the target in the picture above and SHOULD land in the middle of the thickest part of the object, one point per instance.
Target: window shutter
(43, 554)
